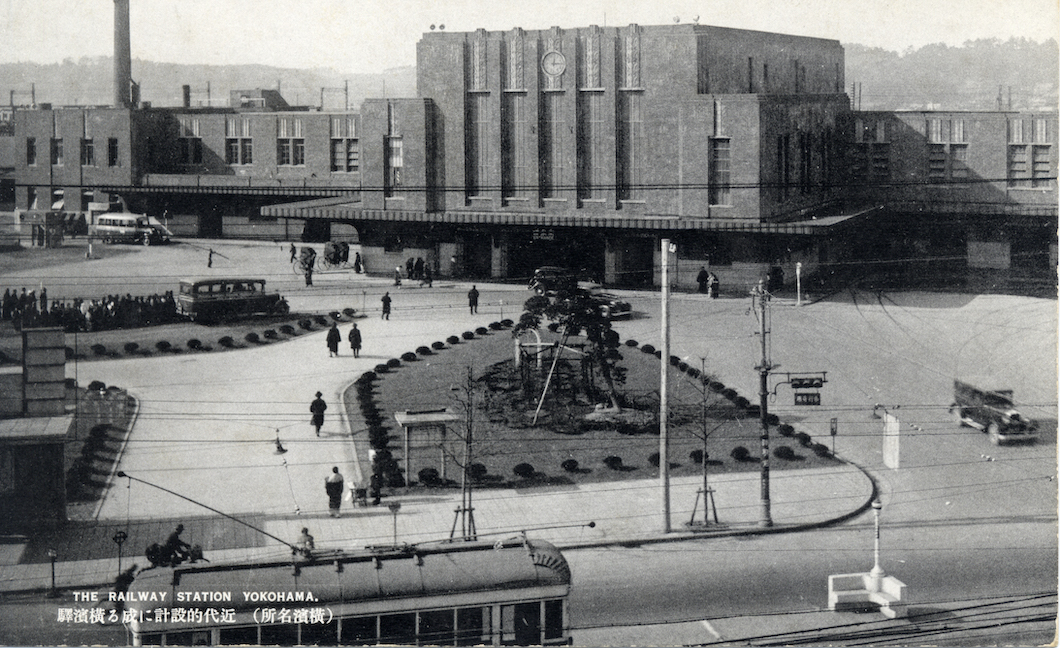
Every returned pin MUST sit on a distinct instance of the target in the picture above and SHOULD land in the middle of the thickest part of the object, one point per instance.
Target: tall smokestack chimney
(122, 56)
(185, 91)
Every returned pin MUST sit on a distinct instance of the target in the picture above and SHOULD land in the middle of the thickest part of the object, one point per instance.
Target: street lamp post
(119, 538)
(394, 508)
(877, 571)
(798, 283)
(53, 555)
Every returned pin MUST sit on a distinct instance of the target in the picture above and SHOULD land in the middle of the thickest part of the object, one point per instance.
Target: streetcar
(507, 593)
(216, 299)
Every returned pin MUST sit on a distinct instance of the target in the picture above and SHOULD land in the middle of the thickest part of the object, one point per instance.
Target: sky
(369, 36)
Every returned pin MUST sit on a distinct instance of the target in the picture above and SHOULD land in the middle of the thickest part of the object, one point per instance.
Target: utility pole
(760, 300)
(466, 513)
(664, 455)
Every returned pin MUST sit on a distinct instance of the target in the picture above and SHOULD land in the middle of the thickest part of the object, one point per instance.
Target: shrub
(438, 346)
(381, 368)
(496, 326)
(729, 393)
(785, 430)
(658, 354)
(349, 312)
(452, 339)
(424, 351)
(570, 465)
(740, 453)
(320, 319)
(408, 356)
(784, 452)
(482, 330)
(741, 402)
(507, 323)
(696, 456)
(194, 344)
(306, 324)
(429, 476)
(631, 343)
(772, 419)
(334, 315)
(803, 439)
(252, 337)
(716, 386)
(96, 385)
(270, 334)
(393, 363)
(647, 348)
(367, 377)
(99, 349)
(131, 347)
(287, 329)
(674, 361)
(692, 371)
(227, 342)
(378, 437)
(70, 353)
(820, 449)
(467, 335)
(613, 462)
(163, 346)
(477, 471)
(553, 327)
(653, 459)
(523, 471)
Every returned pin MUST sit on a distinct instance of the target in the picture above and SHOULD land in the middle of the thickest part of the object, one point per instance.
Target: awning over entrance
(341, 209)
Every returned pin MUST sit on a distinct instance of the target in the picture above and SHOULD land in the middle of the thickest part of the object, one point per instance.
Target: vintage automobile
(992, 412)
(610, 306)
(548, 280)
(217, 299)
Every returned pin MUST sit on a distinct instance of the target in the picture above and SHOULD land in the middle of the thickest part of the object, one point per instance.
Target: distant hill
(89, 81)
(931, 77)
(956, 78)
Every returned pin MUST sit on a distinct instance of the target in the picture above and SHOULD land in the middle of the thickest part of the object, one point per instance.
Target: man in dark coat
(386, 306)
(472, 300)
(333, 487)
(355, 341)
(334, 337)
(702, 278)
(317, 407)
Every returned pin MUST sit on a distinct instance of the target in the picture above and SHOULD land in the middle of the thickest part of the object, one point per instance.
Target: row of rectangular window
(87, 152)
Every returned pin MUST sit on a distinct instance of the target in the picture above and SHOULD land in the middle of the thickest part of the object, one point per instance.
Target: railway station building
(579, 147)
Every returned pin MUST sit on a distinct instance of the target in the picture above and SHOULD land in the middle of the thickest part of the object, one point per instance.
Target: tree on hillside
(576, 313)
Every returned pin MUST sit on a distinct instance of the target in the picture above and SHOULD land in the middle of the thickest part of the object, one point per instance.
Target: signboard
(835, 426)
(807, 398)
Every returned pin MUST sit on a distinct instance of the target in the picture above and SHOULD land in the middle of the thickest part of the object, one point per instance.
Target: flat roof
(35, 430)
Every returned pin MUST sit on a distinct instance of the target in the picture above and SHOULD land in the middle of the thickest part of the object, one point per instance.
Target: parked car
(992, 412)
(217, 299)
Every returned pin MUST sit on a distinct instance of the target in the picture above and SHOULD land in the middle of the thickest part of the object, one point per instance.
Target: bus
(507, 593)
(215, 299)
(127, 228)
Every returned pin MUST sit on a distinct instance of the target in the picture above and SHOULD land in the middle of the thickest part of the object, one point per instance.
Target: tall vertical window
(290, 143)
(239, 146)
(783, 167)
(113, 157)
(805, 162)
(57, 151)
(720, 174)
(937, 162)
(88, 152)
(478, 166)
(553, 143)
(515, 146)
(1041, 167)
(31, 151)
(590, 145)
(190, 141)
(395, 164)
(630, 144)
(958, 161)
(1018, 173)
(345, 148)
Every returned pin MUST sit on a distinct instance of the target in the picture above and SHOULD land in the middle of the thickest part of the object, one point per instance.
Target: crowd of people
(27, 308)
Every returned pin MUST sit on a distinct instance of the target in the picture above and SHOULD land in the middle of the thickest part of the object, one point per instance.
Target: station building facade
(579, 147)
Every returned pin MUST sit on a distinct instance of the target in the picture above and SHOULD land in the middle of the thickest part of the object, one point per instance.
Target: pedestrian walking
(386, 306)
(209, 259)
(426, 279)
(334, 337)
(472, 300)
(397, 276)
(376, 486)
(333, 487)
(355, 341)
(294, 253)
(309, 275)
(712, 285)
(702, 278)
(357, 267)
(317, 407)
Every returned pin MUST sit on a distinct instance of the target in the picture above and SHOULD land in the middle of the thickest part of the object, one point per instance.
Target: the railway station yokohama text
(179, 615)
